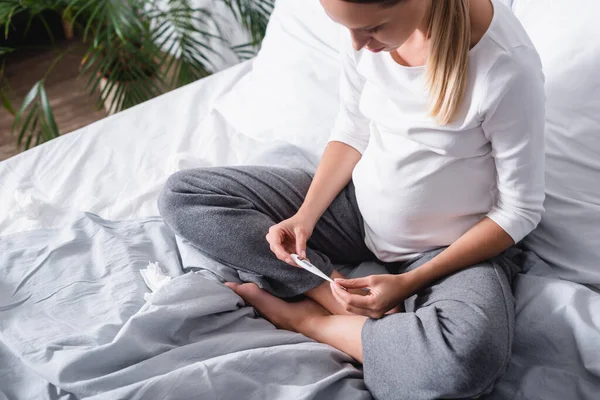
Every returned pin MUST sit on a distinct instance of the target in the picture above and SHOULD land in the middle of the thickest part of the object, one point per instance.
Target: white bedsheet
(115, 168)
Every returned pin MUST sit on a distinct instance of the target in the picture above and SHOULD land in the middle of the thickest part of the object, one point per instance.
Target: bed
(79, 222)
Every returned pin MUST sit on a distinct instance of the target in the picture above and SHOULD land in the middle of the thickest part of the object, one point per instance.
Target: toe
(248, 291)
(232, 285)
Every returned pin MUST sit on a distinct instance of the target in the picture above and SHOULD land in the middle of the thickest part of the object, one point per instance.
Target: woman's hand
(290, 236)
(386, 292)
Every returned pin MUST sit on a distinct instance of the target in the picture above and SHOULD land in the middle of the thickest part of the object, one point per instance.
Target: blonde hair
(447, 66)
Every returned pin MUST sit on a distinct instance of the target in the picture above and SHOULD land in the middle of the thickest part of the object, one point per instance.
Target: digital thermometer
(304, 263)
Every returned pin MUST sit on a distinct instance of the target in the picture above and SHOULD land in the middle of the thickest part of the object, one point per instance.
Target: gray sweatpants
(454, 339)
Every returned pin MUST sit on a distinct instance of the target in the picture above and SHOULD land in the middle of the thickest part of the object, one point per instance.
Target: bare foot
(290, 316)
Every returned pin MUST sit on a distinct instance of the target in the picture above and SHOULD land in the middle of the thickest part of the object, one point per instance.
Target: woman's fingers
(288, 237)
(275, 239)
(300, 242)
(354, 300)
(334, 292)
(353, 309)
(357, 283)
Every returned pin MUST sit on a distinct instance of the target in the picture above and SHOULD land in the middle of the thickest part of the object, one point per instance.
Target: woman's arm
(349, 138)
(333, 174)
(482, 242)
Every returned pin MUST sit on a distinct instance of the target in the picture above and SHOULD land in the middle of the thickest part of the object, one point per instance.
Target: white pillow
(567, 37)
(292, 92)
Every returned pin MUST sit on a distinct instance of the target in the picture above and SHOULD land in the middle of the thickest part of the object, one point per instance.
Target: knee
(168, 197)
(455, 373)
(180, 193)
(472, 365)
(433, 359)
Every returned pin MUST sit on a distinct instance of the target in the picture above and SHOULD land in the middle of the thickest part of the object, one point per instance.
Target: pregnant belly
(414, 205)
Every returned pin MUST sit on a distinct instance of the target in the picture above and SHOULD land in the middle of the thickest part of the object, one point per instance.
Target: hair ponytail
(447, 66)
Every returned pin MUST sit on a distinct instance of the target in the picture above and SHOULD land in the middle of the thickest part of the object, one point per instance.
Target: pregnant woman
(434, 168)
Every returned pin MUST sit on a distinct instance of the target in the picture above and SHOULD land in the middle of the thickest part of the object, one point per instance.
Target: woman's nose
(359, 40)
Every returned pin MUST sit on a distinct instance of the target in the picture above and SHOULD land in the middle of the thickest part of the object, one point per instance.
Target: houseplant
(135, 50)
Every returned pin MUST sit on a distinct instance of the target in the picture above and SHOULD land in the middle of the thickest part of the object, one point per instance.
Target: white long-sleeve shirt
(421, 185)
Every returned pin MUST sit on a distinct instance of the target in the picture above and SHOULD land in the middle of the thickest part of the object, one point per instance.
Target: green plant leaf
(48, 114)
(32, 115)
(38, 140)
(105, 92)
(27, 102)
(116, 16)
(6, 103)
(4, 96)
(118, 98)
(90, 23)
(28, 26)
(5, 50)
(140, 46)
(253, 15)
(77, 7)
(187, 43)
(47, 27)
(117, 26)
(245, 51)
(103, 65)
(36, 113)
(28, 142)
(8, 21)
(160, 30)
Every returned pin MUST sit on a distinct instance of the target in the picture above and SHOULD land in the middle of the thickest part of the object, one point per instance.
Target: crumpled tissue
(154, 278)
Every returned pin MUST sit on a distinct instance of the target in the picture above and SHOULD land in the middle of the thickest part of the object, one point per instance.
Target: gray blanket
(74, 324)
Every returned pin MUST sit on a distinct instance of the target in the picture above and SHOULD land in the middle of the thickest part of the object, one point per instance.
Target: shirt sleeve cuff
(360, 144)
(516, 226)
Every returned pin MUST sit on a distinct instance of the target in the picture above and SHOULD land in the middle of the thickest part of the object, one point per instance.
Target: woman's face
(375, 27)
